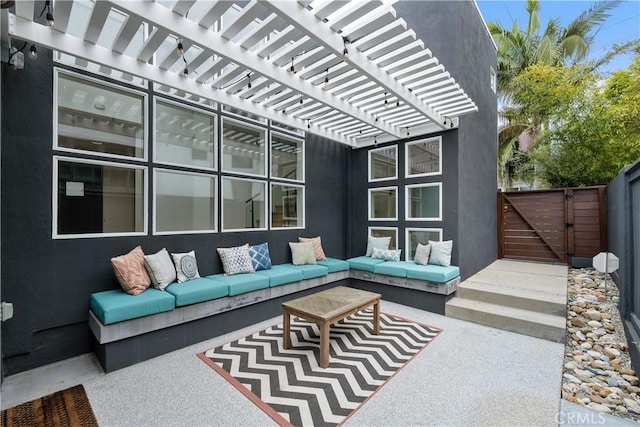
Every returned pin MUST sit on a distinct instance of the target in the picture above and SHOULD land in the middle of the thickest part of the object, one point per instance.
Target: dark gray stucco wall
(456, 35)
(50, 281)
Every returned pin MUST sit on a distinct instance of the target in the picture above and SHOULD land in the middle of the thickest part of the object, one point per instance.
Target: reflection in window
(184, 202)
(287, 156)
(386, 232)
(243, 148)
(184, 136)
(96, 198)
(424, 201)
(382, 203)
(383, 163)
(423, 157)
(98, 118)
(243, 204)
(420, 235)
(287, 206)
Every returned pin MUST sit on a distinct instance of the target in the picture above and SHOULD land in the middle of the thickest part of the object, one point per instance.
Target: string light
(386, 101)
(49, 15)
(326, 77)
(180, 48)
(397, 103)
(33, 52)
(345, 51)
(308, 123)
(249, 77)
(292, 69)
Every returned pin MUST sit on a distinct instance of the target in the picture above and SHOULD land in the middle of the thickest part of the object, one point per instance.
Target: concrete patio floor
(470, 375)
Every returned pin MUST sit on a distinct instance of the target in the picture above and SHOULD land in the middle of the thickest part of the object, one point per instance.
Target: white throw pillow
(186, 266)
(441, 253)
(422, 254)
(160, 268)
(377, 242)
(302, 253)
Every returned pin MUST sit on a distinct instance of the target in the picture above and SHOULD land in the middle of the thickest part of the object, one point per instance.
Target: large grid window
(99, 118)
(243, 148)
(423, 158)
(184, 136)
(419, 235)
(383, 163)
(287, 157)
(184, 202)
(287, 206)
(243, 204)
(96, 198)
(424, 202)
(386, 232)
(383, 203)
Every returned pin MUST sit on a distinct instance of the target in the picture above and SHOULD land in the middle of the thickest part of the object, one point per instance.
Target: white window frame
(232, 114)
(155, 209)
(406, 158)
(266, 147)
(145, 106)
(395, 188)
(406, 238)
(407, 201)
(373, 227)
(186, 107)
(285, 136)
(304, 211)
(54, 198)
(266, 204)
(494, 79)
(370, 170)
(281, 127)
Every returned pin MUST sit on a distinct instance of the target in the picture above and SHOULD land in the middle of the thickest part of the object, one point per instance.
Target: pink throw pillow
(130, 271)
(317, 247)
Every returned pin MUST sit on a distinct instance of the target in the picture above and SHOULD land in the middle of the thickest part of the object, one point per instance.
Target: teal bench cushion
(242, 283)
(364, 263)
(197, 290)
(392, 268)
(281, 275)
(432, 273)
(334, 264)
(117, 305)
(310, 271)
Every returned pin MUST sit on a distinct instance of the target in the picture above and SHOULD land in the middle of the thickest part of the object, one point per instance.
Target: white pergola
(350, 71)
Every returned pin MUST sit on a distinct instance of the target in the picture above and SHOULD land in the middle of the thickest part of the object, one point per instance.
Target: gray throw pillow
(160, 268)
(186, 266)
(302, 253)
(422, 254)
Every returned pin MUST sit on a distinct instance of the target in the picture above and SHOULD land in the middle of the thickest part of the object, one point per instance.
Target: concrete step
(526, 322)
(534, 299)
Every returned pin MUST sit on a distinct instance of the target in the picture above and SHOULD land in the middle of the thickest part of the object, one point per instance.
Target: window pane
(382, 163)
(287, 206)
(184, 202)
(420, 236)
(384, 232)
(184, 136)
(424, 201)
(99, 118)
(423, 157)
(243, 205)
(243, 149)
(94, 198)
(286, 158)
(383, 203)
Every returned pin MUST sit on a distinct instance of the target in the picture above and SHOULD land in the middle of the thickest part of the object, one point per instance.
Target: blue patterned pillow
(386, 254)
(260, 256)
(236, 260)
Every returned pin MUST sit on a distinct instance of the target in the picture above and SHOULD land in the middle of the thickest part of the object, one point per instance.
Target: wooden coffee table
(327, 307)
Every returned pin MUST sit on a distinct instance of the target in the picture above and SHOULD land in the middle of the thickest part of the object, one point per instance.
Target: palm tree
(517, 49)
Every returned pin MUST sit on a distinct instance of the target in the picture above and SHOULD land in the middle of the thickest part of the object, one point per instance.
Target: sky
(622, 25)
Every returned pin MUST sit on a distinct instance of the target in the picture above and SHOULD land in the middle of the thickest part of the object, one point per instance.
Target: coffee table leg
(376, 317)
(324, 344)
(286, 329)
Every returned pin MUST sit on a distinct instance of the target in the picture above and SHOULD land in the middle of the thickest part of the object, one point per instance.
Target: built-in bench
(129, 329)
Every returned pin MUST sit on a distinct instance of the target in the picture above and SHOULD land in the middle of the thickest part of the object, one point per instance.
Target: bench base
(126, 343)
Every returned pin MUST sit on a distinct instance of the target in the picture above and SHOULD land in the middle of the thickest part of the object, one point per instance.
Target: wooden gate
(552, 225)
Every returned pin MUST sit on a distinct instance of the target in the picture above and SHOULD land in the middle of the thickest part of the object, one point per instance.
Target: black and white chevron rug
(293, 389)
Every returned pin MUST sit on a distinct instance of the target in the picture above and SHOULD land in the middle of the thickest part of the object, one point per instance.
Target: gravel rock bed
(597, 369)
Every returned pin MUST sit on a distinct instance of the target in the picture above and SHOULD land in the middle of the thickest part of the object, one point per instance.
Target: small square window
(287, 206)
(419, 235)
(383, 203)
(243, 204)
(422, 158)
(386, 232)
(424, 202)
(243, 148)
(287, 157)
(383, 163)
